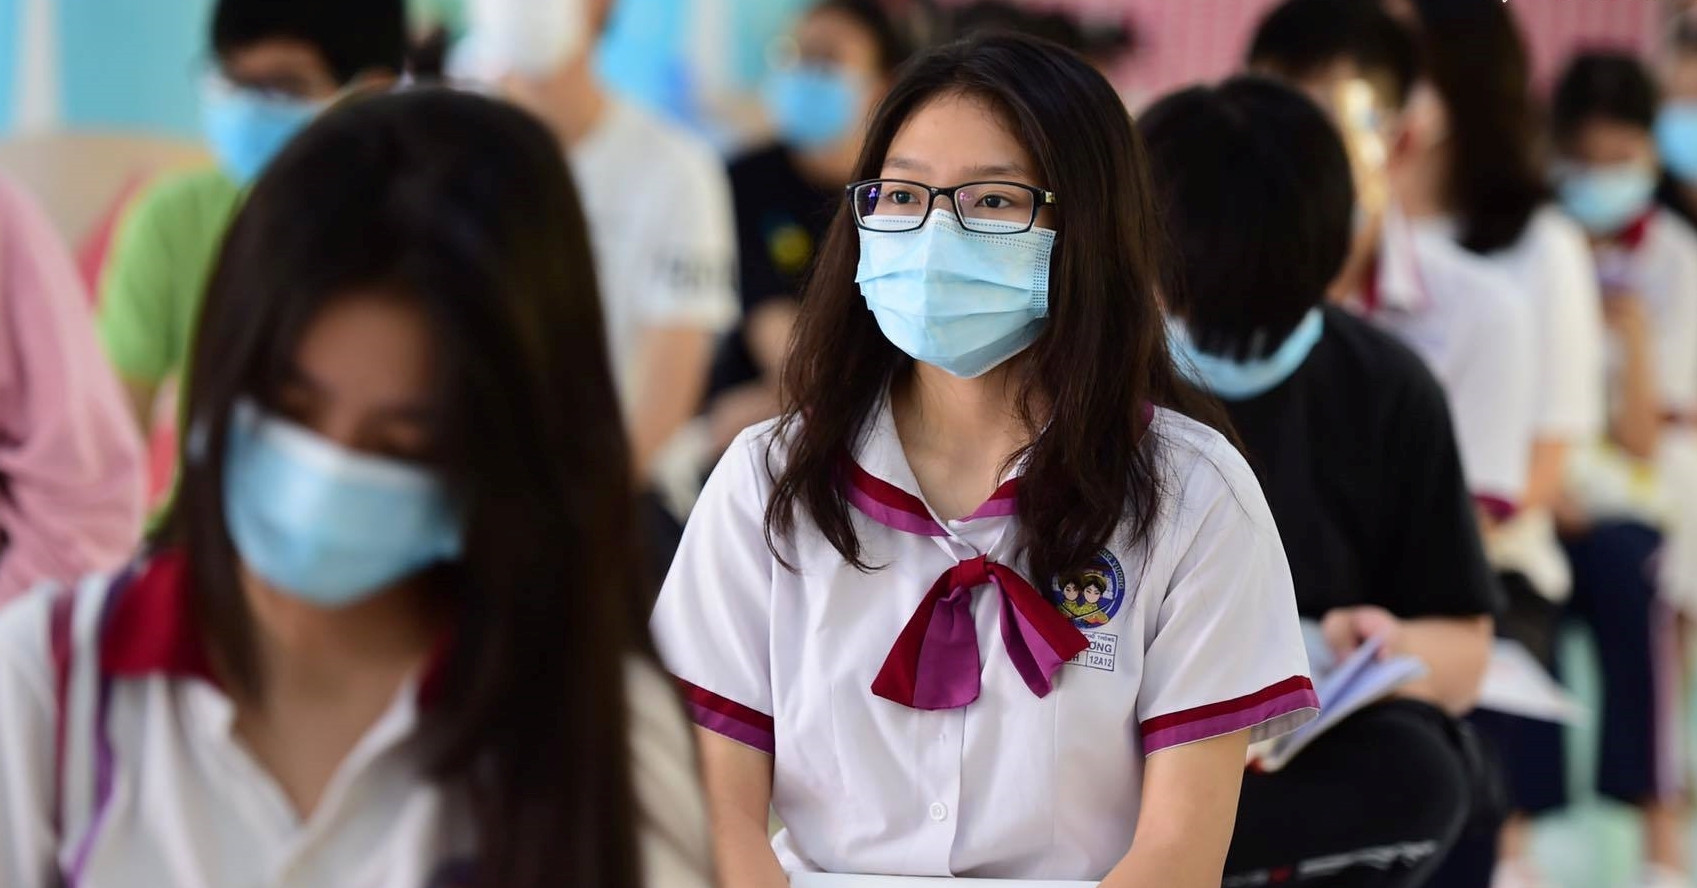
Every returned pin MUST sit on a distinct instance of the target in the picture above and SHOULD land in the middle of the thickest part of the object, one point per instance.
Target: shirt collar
(1633, 236)
(881, 484)
(150, 630)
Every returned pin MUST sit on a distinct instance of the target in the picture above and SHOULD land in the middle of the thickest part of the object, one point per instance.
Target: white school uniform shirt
(1551, 265)
(157, 789)
(1197, 637)
(658, 203)
(1476, 334)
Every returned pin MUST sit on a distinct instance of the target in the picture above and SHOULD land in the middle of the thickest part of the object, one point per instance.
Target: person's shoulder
(1359, 351)
(1196, 456)
(640, 132)
(759, 453)
(1673, 230)
(1551, 230)
(202, 186)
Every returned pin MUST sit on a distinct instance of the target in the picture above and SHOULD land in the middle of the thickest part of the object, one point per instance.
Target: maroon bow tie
(934, 663)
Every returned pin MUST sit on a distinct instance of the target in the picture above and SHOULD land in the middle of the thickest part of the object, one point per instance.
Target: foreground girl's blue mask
(332, 505)
(962, 301)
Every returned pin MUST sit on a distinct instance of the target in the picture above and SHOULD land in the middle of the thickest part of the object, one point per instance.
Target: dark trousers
(1375, 803)
(1614, 596)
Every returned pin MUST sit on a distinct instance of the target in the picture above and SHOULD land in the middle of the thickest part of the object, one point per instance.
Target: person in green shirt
(280, 62)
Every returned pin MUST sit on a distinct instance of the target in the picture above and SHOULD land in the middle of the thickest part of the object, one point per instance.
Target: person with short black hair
(278, 64)
(1386, 544)
(1357, 63)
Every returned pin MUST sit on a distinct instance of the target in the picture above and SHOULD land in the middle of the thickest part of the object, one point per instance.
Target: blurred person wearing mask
(657, 199)
(1618, 506)
(1676, 120)
(1474, 176)
(1386, 547)
(1462, 316)
(838, 65)
(71, 467)
(279, 64)
(380, 640)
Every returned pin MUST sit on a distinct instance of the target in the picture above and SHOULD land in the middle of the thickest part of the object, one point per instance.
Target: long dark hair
(465, 206)
(1477, 61)
(1088, 470)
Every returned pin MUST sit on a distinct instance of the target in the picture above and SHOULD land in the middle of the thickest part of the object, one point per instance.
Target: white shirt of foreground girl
(158, 790)
(1191, 635)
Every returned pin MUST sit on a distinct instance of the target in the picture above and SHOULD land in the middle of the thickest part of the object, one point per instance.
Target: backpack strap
(59, 626)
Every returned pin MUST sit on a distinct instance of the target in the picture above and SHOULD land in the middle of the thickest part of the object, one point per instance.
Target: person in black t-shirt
(785, 194)
(1350, 436)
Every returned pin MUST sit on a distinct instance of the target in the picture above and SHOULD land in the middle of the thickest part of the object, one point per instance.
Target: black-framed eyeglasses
(900, 205)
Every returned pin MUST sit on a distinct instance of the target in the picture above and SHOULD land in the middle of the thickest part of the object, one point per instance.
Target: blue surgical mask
(1606, 199)
(812, 106)
(324, 524)
(246, 129)
(1232, 380)
(956, 299)
(1676, 139)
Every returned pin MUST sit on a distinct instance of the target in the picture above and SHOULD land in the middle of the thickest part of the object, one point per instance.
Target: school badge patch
(1091, 596)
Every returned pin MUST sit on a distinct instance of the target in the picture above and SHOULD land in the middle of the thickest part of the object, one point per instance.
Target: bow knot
(934, 663)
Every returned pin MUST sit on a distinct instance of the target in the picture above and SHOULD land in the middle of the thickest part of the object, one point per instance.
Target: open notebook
(1358, 681)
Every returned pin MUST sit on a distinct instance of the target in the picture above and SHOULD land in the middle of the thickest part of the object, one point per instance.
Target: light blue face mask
(955, 299)
(326, 525)
(1676, 139)
(812, 106)
(1231, 380)
(246, 129)
(1606, 199)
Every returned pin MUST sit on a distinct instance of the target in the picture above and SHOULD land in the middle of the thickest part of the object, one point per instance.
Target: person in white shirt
(383, 639)
(656, 197)
(1463, 317)
(986, 601)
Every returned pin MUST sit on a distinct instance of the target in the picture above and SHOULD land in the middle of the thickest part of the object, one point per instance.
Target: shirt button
(939, 812)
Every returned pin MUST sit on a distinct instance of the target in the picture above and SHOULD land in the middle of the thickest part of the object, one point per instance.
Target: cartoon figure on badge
(1091, 596)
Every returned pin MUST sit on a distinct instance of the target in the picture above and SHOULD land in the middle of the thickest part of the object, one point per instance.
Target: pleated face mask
(324, 524)
(959, 300)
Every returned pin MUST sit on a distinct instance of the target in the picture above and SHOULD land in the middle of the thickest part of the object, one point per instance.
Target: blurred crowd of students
(1370, 343)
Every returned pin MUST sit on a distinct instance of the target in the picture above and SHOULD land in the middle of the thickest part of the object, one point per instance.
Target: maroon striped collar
(880, 484)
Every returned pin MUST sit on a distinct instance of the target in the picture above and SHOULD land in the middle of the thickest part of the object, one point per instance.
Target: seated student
(785, 193)
(1602, 116)
(656, 196)
(70, 460)
(1350, 436)
(280, 62)
(380, 639)
(866, 609)
(1463, 317)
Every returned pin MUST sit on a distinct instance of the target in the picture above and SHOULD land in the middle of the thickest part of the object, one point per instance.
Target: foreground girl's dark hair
(1091, 375)
(464, 205)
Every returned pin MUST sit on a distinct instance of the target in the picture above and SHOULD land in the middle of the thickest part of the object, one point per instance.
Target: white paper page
(1515, 684)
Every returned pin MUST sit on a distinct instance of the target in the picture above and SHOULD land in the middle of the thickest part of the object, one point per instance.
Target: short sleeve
(1226, 652)
(1433, 563)
(27, 842)
(712, 623)
(138, 289)
(1567, 307)
(690, 245)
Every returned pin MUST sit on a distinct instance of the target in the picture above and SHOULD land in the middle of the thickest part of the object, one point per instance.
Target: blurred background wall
(133, 65)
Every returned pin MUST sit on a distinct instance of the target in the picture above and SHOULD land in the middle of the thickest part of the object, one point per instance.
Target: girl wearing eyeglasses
(867, 611)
